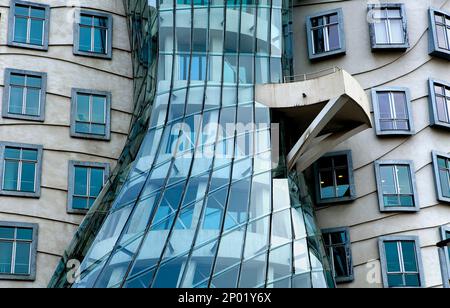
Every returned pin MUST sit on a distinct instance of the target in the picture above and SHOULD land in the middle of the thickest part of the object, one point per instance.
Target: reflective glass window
(20, 169)
(29, 25)
(26, 94)
(88, 181)
(337, 245)
(16, 250)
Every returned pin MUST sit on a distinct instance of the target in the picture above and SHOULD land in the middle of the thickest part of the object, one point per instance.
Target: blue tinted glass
(21, 10)
(409, 256)
(412, 280)
(24, 234)
(98, 129)
(85, 39)
(80, 188)
(79, 203)
(33, 102)
(15, 100)
(86, 20)
(395, 280)
(38, 12)
(5, 257)
(37, 32)
(168, 276)
(22, 259)
(6, 233)
(12, 153)
(100, 22)
(20, 30)
(83, 107)
(96, 182)
(100, 40)
(392, 257)
(18, 80)
(28, 177)
(11, 175)
(98, 109)
(29, 154)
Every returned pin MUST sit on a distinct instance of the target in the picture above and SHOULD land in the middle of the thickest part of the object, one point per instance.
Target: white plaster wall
(410, 69)
(64, 72)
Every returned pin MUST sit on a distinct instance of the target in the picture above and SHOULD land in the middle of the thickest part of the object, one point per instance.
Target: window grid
(394, 118)
(20, 161)
(89, 197)
(386, 18)
(334, 171)
(330, 247)
(442, 23)
(325, 27)
(403, 272)
(93, 26)
(90, 120)
(14, 241)
(30, 18)
(442, 94)
(26, 87)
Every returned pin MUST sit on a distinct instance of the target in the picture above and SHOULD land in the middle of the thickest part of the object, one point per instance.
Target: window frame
(71, 181)
(38, 175)
(434, 117)
(33, 250)
(348, 249)
(376, 111)
(352, 187)
(342, 42)
(383, 208)
(445, 264)
(73, 114)
(437, 179)
(109, 36)
(11, 24)
(383, 47)
(383, 261)
(6, 95)
(433, 44)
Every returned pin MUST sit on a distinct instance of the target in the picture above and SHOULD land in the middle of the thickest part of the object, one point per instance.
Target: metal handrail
(308, 76)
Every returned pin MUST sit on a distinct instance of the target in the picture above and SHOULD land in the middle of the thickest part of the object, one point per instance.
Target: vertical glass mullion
(19, 173)
(13, 252)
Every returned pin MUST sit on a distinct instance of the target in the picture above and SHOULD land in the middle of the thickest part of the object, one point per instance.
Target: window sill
(28, 46)
(327, 55)
(35, 195)
(23, 117)
(17, 277)
(105, 56)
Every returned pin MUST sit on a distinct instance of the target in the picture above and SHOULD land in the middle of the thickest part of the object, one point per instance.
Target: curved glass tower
(200, 198)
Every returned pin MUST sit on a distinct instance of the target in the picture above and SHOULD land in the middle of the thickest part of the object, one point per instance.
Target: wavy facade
(51, 130)
(197, 201)
(412, 69)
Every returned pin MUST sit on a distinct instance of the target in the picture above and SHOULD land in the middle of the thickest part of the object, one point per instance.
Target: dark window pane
(11, 175)
(6, 233)
(80, 187)
(96, 182)
(395, 280)
(28, 177)
(5, 257)
(327, 189)
(392, 257)
(340, 262)
(24, 234)
(99, 40)
(318, 41)
(412, 280)
(445, 182)
(409, 256)
(22, 260)
(79, 203)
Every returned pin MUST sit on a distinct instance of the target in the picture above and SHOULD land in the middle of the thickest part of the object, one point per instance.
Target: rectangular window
(21, 169)
(29, 25)
(334, 178)
(18, 242)
(93, 34)
(439, 33)
(85, 183)
(337, 245)
(197, 67)
(396, 186)
(24, 95)
(392, 109)
(439, 103)
(388, 26)
(441, 165)
(325, 34)
(401, 263)
(91, 114)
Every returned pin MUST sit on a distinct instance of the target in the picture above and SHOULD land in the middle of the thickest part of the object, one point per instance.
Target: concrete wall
(410, 69)
(64, 72)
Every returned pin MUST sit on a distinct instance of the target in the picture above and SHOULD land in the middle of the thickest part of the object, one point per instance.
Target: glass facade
(196, 199)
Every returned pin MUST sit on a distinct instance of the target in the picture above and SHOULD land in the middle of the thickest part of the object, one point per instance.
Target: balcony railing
(309, 76)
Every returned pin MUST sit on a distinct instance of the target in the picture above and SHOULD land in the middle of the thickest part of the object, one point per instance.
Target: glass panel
(441, 107)
(98, 109)
(82, 107)
(404, 180)
(318, 41)
(100, 40)
(445, 182)
(20, 30)
(340, 262)
(36, 32)
(397, 34)
(11, 175)
(327, 189)
(441, 36)
(409, 256)
(392, 257)
(5, 257)
(96, 182)
(24, 234)
(343, 183)
(387, 180)
(21, 10)
(333, 37)
(33, 102)
(12, 153)
(38, 13)
(80, 187)
(85, 38)
(381, 35)
(22, 260)
(6, 233)
(28, 177)
(395, 280)
(16, 100)
(34, 81)
(18, 80)
(412, 280)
